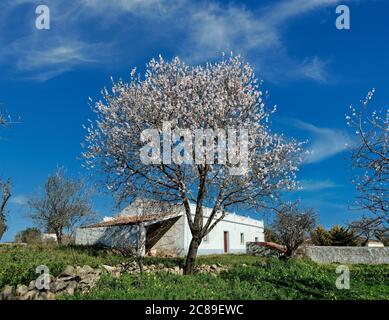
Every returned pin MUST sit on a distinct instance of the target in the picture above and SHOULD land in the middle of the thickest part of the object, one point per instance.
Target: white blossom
(222, 95)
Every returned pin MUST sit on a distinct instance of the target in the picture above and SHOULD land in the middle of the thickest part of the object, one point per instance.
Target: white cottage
(169, 233)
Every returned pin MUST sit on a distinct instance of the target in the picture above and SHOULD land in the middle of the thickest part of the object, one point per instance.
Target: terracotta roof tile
(128, 220)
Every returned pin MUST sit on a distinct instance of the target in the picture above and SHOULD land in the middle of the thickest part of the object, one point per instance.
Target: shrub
(340, 236)
(336, 236)
(321, 237)
(30, 235)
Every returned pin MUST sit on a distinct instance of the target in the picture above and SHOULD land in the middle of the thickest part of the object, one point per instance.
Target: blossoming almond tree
(216, 96)
(371, 157)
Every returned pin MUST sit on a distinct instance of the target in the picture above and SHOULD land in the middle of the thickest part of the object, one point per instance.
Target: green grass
(270, 279)
(18, 263)
(260, 279)
(229, 259)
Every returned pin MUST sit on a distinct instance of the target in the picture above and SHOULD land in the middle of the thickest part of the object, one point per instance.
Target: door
(225, 241)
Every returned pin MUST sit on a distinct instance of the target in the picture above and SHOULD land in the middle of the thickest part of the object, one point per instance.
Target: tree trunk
(140, 264)
(192, 255)
(141, 246)
(287, 254)
(3, 227)
(59, 236)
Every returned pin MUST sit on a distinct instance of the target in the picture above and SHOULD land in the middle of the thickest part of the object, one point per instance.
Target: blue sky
(312, 70)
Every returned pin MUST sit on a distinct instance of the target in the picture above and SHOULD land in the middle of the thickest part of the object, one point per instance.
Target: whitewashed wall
(234, 225)
(177, 238)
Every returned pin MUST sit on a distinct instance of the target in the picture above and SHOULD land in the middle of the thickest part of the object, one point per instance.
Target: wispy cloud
(314, 68)
(256, 34)
(323, 142)
(19, 200)
(146, 8)
(54, 56)
(317, 185)
(214, 28)
(206, 29)
(42, 55)
(284, 10)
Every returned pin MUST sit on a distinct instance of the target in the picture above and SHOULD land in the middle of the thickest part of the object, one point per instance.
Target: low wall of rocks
(83, 279)
(256, 249)
(348, 255)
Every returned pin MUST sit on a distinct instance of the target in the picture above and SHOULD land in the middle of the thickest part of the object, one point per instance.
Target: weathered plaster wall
(348, 255)
(119, 236)
(173, 240)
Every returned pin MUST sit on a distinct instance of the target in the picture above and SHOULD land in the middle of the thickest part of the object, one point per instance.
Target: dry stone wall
(348, 255)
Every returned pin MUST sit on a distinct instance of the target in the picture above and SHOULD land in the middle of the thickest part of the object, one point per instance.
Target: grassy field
(248, 278)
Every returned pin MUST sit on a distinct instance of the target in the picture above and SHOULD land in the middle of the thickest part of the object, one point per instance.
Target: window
(242, 238)
(256, 239)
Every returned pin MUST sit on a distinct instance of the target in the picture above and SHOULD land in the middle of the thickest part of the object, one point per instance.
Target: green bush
(342, 237)
(321, 237)
(336, 236)
(30, 235)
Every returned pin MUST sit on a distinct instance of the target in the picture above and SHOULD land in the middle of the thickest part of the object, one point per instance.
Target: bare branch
(64, 204)
(371, 158)
(5, 189)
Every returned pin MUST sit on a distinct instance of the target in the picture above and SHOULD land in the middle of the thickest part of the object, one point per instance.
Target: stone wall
(348, 255)
(82, 279)
(256, 249)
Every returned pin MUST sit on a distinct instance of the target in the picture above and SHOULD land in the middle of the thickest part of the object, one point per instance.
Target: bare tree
(382, 235)
(175, 97)
(370, 156)
(5, 190)
(292, 226)
(4, 117)
(5, 186)
(63, 205)
(368, 228)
